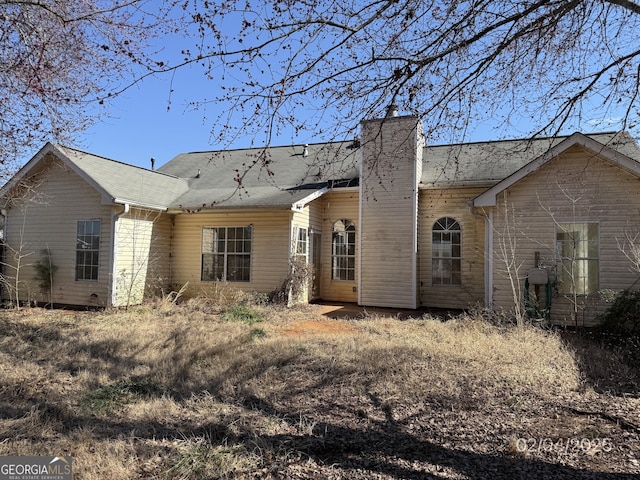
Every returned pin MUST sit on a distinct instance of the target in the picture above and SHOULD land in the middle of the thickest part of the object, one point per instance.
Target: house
(537, 226)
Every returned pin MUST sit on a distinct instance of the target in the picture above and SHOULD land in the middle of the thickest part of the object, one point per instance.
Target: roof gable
(613, 155)
(117, 182)
(487, 163)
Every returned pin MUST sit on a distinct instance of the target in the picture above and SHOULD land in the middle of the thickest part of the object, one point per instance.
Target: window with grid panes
(446, 250)
(226, 254)
(343, 250)
(87, 249)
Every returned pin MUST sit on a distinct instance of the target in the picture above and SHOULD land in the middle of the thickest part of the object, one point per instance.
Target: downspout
(488, 275)
(3, 213)
(419, 143)
(488, 257)
(114, 253)
(358, 230)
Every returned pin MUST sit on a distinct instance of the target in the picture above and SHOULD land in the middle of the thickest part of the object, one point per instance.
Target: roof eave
(135, 204)
(221, 207)
(300, 204)
(26, 168)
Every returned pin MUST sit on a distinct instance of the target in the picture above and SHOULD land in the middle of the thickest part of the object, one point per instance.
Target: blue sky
(139, 125)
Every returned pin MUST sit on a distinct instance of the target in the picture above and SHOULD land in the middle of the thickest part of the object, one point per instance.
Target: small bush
(257, 333)
(623, 316)
(198, 458)
(109, 398)
(242, 313)
(105, 399)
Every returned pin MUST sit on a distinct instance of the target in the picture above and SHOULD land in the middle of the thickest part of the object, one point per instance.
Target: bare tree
(15, 254)
(537, 65)
(15, 257)
(629, 246)
(138, 261)
(59, 60)
(509, 264)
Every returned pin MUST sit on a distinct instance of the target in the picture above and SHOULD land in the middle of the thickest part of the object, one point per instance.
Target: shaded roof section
(259, 177)
(487, 163)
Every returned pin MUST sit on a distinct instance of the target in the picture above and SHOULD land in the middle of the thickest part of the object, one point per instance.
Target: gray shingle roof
(486, 163)
(275, 177)
(279, 177)
(126, 183)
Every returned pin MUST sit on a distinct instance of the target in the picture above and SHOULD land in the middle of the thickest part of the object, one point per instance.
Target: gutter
(488, 254)
(488, 271)
(223, 209)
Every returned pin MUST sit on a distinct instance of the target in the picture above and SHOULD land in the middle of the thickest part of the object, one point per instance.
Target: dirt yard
(197, 391)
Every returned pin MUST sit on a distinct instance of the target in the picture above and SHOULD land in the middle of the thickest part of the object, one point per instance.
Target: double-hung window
(577, 245)
(87, 249)
(226, 254)
(302, 244)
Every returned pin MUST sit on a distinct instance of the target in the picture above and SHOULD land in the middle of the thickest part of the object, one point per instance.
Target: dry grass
(200, 391)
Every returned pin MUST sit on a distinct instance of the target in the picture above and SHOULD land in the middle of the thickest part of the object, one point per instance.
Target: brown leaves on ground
(186, 393)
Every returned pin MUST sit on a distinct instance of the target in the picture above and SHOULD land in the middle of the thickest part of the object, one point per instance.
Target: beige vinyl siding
(451, 202)
(338, 205)
(577, 187)
(388, 207)
(310, 217)
(269, 248)
(160, 274)
(48, 218)
(141, 261)
(299, 219)
(315, 224)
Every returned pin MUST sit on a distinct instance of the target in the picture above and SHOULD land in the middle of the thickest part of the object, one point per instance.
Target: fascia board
(133, 203)
(300, 204)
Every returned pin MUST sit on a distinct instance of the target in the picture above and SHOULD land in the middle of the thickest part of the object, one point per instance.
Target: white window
(226, 254)
(302, 244)
(343, 250)
(577, 245)
(446, 249)
(87, 249)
